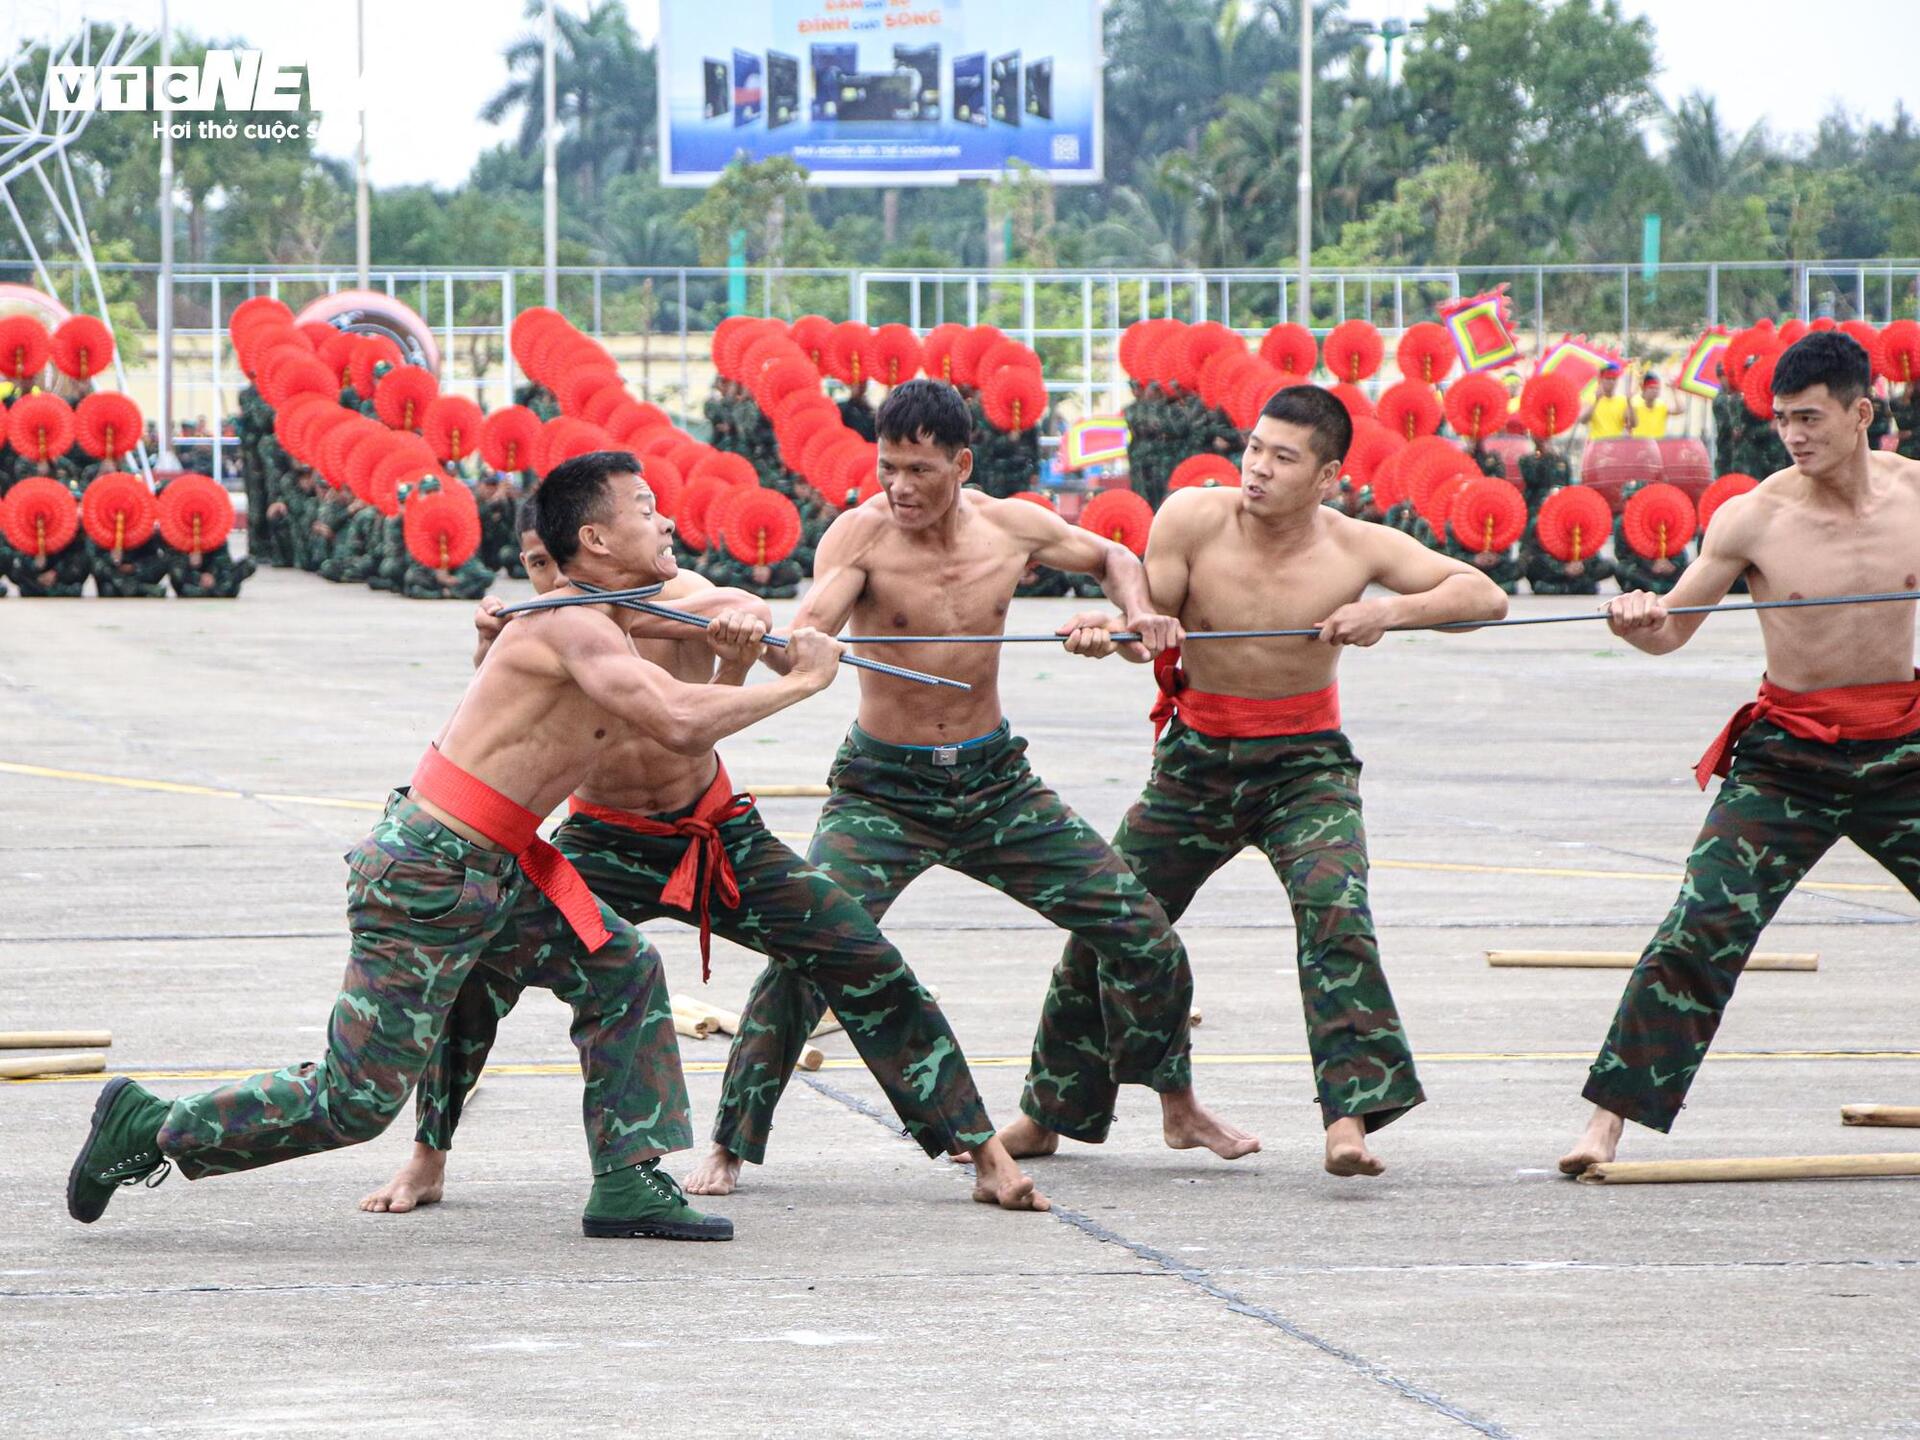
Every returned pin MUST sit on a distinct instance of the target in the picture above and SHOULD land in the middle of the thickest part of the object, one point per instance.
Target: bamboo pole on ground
(1905, 1117)
(30, 1066)
(727, 1022)
(691, 1023)
(1777, 1167)
(55, 1039)
(1625, 960)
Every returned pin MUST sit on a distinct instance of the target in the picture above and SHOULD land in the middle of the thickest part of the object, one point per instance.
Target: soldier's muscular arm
(1640, 617)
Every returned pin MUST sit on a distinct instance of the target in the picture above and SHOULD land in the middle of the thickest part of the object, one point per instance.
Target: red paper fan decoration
(452, 426)
(1373, 444)
(785, 379)
(1223, 372)
(1251, 393)
(1428, 462)
(1549, 405)
(819, 458)
(1793, 331)
(1744, 348)
(370, 351)
(289, 418)
(1354, 351)
(1488, 515)
(1001, 354)
(1756, 388)
(579, 386)
(1119, 515)
(411, 463)
(1291, 348)
(442, 527)
(336, 353)
(317, 332)
(339, 443)
(40, 517)
(662, 442)
(1574, 523)
(1388, 484)
(1134, 343)
(1203, 470)
(311, 438)
(1015, 399)
(402, 396)
(814, 335)
(664, 479)
(1410, 408)
(108, 425)
(1188, 354)
(1722, 490)
(1898, 355)
(895, 354)
(730, 337)
(762, 527)
(508, 437)
(40, 427)
(1477, 406)
(732, 468)
(1659, 521)
(530, 327)
(1355, 401)
(1426, 353)
(936, 350)
(305, 376)
(1821, 324)
(255, 309)
(82, 347)
(562, 439)
(1440, 500)
(1037, 497)
(847, 356)
(642, 418)
(24, 348)
(118, 511)
(969, 350)
(1863, 335)
(792, 435)
(195, 514)
(857, 469)
(690, 519)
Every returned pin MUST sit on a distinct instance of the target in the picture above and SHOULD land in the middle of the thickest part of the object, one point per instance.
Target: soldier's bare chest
(961, 592)
(1232, 585)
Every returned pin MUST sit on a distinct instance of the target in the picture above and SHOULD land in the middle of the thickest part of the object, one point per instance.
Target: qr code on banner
(1066, 149)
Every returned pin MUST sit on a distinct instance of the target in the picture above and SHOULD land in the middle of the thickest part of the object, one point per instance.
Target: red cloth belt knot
(1237, 717)
(1845, 712)
(515, 829)
(691, 885)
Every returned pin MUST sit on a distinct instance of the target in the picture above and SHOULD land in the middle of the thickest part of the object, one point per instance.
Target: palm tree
(606, 95)
(1704, 158)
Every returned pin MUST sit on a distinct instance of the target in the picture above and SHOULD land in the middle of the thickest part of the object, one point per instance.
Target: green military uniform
(140, 572)
(1541, 473)
(500, 530)
(218, 577)
(1045, 582)
(254, 421)
(1547, 575)
(467, 582)
(1635, 572)
(811, 931)
(426, 907)
(65, 571)
(1905, 413)
(1503, 568)
(1783, 805)
(352, 557)
(896, 811)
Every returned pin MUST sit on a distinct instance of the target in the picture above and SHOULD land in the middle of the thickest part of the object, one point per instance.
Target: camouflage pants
(425, 908)
(810, 931)
(894, 814)
(1296, 798)
(1782, 806)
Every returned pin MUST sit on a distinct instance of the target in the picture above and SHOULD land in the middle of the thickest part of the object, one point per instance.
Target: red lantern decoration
(564, 438)
(452, 426)
(507, 438)
(1426, 353)
(762, 527)
(402, 396)
(442, 527)
(1574, 523)
(1203, 470)
(41, 426)
(1659, 521)
(195, 515)
(1410, 409)
(690, 519)
(969, 350)
(847, 356)
(579, 386)
(1477, 407)
(82, 347)
(1898, 356)
(1549, 405)
(1034, 496)
(1756, 388)
(40, 517)
(1119, 515)
(814, 335)
(1489, 515)
(24, 348)
(732, 468)
(1015, 399)
(1722, 490)
(369, 352)
(664, 479)
(1290, 348)
(1354, 351)
(1354, 400)
(118, 511)
(936, 351)
(1373, 444)
(895, 355)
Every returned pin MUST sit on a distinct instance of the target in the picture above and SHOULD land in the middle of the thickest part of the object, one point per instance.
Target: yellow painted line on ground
(1009, 1062)
(785, 792)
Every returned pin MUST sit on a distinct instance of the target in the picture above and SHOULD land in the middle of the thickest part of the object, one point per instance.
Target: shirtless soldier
(1252, 752)
(1830, 748)
(926, 779)
(655, 833)
(453, 875)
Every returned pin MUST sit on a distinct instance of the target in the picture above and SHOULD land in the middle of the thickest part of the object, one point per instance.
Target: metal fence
(658, 322)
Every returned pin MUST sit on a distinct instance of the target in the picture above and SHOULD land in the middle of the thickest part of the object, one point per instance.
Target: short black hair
(1827, 357)
(527, 516)
(574, 494)
(1318, 410)
(925, 410)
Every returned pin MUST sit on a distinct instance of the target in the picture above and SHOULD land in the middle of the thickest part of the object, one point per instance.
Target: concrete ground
(1525, 788)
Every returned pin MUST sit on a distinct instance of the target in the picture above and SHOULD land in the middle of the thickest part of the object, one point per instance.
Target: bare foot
(717, 1174)
(1347, 1152)
(1189, 1125)
(421, 1181)
(1021, 1140)
(998, 1181)
(1597, 1142)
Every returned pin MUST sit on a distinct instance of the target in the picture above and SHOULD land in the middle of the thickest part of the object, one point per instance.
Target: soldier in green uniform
(61, 574)
(1635, 571)
(499, 540)
(353, 553)
(140, 572)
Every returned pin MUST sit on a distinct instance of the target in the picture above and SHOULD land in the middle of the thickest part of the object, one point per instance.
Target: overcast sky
(431, 66)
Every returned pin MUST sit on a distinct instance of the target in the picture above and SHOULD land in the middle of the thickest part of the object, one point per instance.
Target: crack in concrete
(1203, 1281)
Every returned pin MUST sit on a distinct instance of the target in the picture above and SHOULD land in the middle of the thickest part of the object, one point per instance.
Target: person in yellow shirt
(1649, 410)
(1607, 416)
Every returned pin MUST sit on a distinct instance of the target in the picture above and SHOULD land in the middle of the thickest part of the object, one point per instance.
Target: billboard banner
(881, 92)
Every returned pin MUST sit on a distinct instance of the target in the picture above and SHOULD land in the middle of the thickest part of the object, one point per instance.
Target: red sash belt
(1235, 717)
(512, 827)
(1846, 712)
(691, 885)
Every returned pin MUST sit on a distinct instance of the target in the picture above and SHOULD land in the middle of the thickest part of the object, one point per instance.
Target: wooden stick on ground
(1779, 1167)
(1906, 1117)
(692, 1023)
(28, 1066)
(1625, 960)
(55, 1039)
(727, 1022)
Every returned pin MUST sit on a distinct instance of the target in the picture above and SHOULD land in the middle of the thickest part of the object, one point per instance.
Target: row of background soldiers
(140, 571)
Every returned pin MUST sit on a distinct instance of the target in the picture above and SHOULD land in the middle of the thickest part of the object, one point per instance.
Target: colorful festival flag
(1700, 373)
(1481, 326)
(1097, 440)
